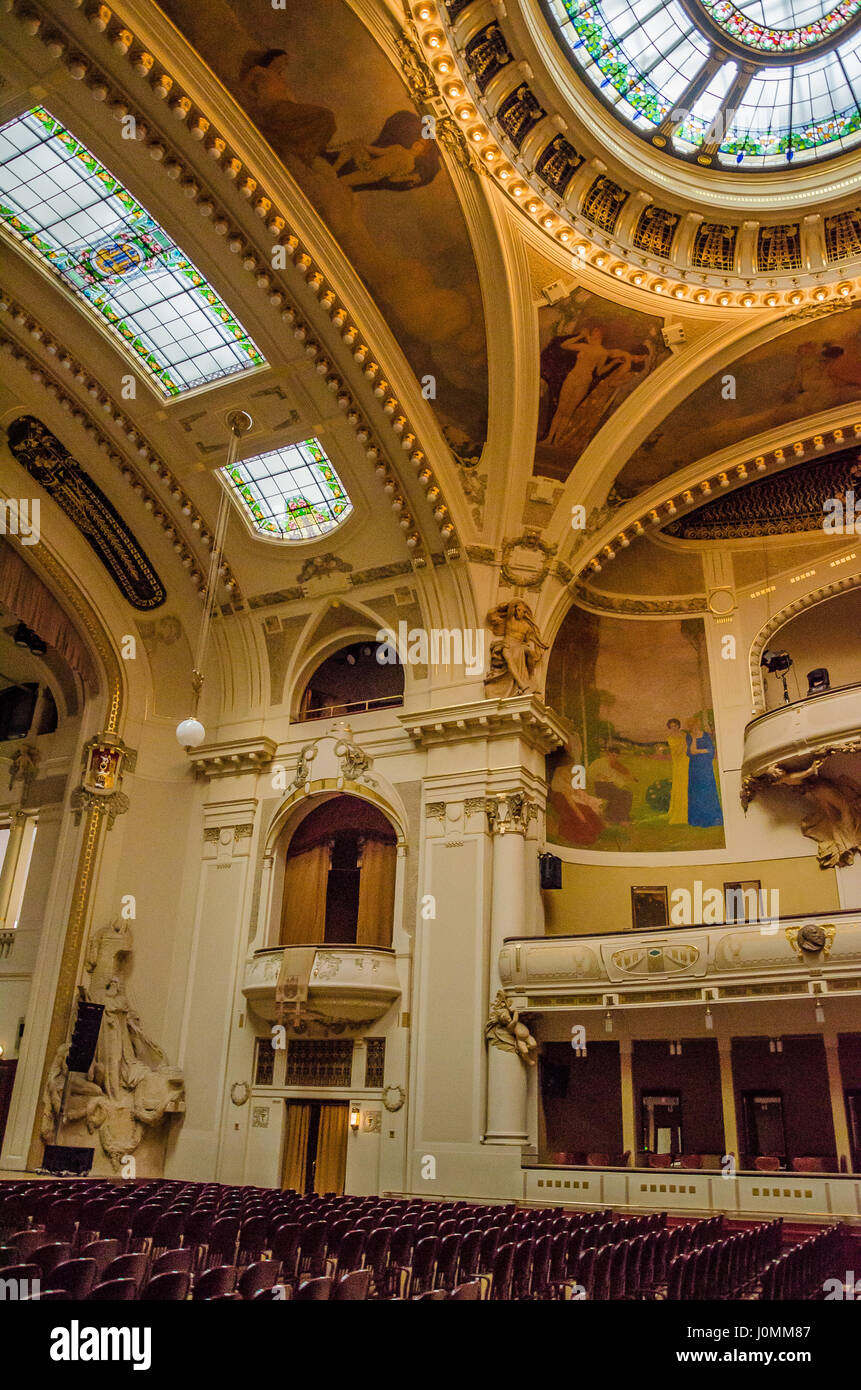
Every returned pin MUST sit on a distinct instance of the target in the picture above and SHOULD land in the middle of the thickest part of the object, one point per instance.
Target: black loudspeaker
(60, 1159)
(550, 866)
(85, 1036)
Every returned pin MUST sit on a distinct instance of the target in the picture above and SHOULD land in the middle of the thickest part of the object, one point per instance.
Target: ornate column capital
(510, 813)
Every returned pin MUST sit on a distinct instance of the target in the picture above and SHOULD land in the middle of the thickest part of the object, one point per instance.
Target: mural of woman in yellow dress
(679, 743)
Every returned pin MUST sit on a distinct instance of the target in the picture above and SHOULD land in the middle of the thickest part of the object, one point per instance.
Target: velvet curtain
(303, 914)
(376, 893)
(332, 1149)
(296, 1145)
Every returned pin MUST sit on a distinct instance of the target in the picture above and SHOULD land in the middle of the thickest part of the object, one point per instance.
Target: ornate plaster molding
(523, 716)
(233, 757)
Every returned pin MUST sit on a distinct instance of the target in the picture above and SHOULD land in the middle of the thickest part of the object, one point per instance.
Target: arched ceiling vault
(329, 347)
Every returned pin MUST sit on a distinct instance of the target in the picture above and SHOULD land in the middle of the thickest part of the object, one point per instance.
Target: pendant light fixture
(190, 732)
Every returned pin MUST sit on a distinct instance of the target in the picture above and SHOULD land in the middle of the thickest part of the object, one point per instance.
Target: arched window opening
(353, 680)
(339, 877)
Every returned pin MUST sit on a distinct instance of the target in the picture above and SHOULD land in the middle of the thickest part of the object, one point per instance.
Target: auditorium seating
(168, 1241)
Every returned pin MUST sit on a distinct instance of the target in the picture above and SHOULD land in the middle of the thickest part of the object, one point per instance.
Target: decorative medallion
(239, 1092)
(394, 1097)
(810, 939)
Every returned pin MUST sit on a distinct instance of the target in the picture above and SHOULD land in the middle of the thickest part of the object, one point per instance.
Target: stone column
(509, 815)
(10, 864)
(727, 1096)
(629, 1116)
(838, 1102)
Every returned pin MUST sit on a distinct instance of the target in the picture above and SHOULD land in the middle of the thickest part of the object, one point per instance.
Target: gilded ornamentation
(510, 811)
(504, 1030)
(43, 456)
(810, 939)
(105, 759)
(418, 74)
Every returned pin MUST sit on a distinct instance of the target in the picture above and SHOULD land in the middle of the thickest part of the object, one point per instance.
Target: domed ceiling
(753, 86)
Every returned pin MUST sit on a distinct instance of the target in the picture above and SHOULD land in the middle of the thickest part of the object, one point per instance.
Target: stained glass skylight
(647, 59)
(72, 213)
(290, 494)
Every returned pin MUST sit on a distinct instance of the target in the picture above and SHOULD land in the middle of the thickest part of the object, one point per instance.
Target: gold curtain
(332, 1148)
(296, 1145)
(303, 911)
(376, 893)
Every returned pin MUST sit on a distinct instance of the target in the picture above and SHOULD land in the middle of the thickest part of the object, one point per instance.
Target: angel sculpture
(503, 1029)
(515, 651)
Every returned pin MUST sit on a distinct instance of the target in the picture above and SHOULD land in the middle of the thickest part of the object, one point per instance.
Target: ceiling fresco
(344, 125)
(812, 368)
(594, 355)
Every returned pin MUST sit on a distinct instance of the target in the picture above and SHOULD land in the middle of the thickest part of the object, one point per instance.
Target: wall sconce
(675, 1049)
(608, 1022)
(355, 1116)
(775, 1044)
(709, 1020)
(820, 1013)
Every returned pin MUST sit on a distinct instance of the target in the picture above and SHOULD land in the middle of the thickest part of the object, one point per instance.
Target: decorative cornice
(199, 123)
(233, 757)
(522, 716)
(677, 501)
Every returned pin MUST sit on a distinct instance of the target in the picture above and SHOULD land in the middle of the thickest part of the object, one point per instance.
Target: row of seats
(800, 1273)
(725, 1268)
(213, 1241)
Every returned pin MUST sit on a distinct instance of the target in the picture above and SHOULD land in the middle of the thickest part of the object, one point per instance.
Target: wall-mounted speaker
(85, 1036)
(550, 868)
(60, 1159)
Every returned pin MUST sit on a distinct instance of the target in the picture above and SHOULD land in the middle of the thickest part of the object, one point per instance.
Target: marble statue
(130, 1086)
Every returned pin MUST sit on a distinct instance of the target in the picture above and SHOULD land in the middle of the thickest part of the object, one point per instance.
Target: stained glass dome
(754, 85)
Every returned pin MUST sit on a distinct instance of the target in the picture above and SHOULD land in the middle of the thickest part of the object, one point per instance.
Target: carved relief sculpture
(503, 1029)
(834, 821)
(130, 1087)
(515, 651)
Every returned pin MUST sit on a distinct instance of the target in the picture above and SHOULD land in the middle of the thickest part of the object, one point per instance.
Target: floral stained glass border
(292, 493)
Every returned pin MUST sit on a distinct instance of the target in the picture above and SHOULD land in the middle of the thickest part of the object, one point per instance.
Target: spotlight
(778, 663)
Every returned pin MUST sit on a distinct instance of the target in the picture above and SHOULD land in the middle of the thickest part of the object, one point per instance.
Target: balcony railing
(346, 984)
(794, 733)
(354, 707)
(687, 964)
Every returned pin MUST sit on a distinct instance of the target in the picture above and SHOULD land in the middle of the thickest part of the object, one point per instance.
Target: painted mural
(809, 369)
(594, 354)
(334, 109)
(640, 770)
